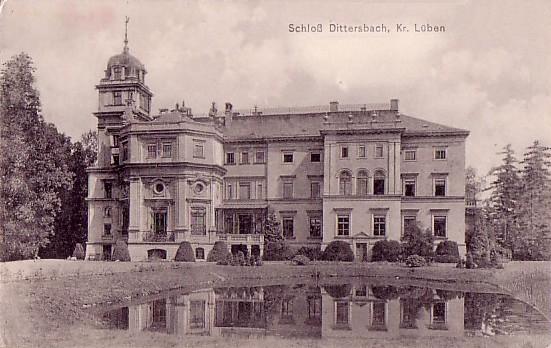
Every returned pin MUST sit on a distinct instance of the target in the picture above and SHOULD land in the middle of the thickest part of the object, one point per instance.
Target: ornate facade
(357, 173)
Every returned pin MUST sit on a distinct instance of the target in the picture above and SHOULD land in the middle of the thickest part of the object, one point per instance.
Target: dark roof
(288, 125)
(125, 59)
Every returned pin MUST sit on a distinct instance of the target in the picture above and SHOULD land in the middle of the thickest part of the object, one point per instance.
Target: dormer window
(117, 73)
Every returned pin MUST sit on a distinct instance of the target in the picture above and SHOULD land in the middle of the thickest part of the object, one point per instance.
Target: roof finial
(126, 34)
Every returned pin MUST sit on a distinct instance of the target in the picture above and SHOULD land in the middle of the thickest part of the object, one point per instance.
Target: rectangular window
(244, 157)
(439, 187)
(107, 229)
(259, 157)
(167, 150)
(159, 222)
(108, 189)
(198, 225)
(229, 191)
(315, 227)
(117, 98)
(314, 307)
(315, 190)
(341, 317)
(116, 159)
(409, 222)
(379, 225)
(315, 157)
(379, 151)
(244, 190)
(260, 191)
(439, 313)
(287, 309)
(440, 153)
(230, 158)
(361, 151)
(197, 314)
(439, 228)
(410, 155)
(198, 151)
(379, 314)
(125, 152)
(288, 227)
(115, 140)
(343, 225)
(409, 187)
(151, 150)
(287, 158)
(344, 151)
(287, 190)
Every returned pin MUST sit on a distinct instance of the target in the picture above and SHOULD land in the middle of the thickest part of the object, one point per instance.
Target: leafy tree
(532, 240)
(504, 199)
(32, 166)
(71, 226)
(272, 228)
(417, 242)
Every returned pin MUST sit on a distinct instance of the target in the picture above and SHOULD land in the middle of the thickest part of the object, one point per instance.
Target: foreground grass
(54, 306)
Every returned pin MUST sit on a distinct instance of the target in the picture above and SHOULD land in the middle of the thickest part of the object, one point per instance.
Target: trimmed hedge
(313, 253)
(218, 252)
(277, 251)
(120, 252)
(338, 250)
(79, 252)
(300, 260)
(185, 253)
(447, 252)
(386, 250)
(416, 261)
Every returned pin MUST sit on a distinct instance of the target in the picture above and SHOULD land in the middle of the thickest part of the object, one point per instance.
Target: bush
(469, 262)
(240, 257)
(79, 252)
(447, 252)
(218, 252)
(313, 253)
(120, 252)
(386, 250)
(185, 253)
(300, 260)
(416, 261)
(277, 251)
(460, 263)
(338, 250)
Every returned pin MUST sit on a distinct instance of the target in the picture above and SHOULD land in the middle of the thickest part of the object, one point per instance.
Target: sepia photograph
(262, 173)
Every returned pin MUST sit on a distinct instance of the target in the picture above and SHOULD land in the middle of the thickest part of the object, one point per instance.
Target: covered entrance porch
(242, 228)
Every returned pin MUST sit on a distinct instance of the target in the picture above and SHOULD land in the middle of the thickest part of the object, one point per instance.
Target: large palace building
(356, 173)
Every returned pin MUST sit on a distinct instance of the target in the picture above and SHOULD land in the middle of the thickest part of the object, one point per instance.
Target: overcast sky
(489, 72)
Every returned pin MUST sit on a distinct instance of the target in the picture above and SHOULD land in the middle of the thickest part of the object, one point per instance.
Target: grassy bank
(57, 299)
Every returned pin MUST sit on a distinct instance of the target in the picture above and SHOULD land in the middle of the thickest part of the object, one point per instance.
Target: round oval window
(159, 188)
(199, 188)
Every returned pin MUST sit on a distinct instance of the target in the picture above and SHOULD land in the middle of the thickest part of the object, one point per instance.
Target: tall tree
(32, 166)
(504, 198)
(71, 224)
(533, 242)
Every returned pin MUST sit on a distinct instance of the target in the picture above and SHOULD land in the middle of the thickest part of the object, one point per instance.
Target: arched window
(200, 253)
(361, 183)
(379, 183)
(345, 183)
(107, 212)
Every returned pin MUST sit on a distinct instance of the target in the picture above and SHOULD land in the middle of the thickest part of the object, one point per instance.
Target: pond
(338, 308)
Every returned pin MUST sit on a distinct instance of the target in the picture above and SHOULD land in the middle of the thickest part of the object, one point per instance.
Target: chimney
(228, 114)
(333, 106)
(394, 105)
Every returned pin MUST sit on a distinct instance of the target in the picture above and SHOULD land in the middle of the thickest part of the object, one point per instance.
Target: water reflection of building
(378, 312)
(336, 311)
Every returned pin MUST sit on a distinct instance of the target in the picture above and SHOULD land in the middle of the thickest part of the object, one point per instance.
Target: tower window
(117, 73)
(117, 98)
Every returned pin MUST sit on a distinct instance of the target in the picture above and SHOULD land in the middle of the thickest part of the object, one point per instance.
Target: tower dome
(124, 65)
